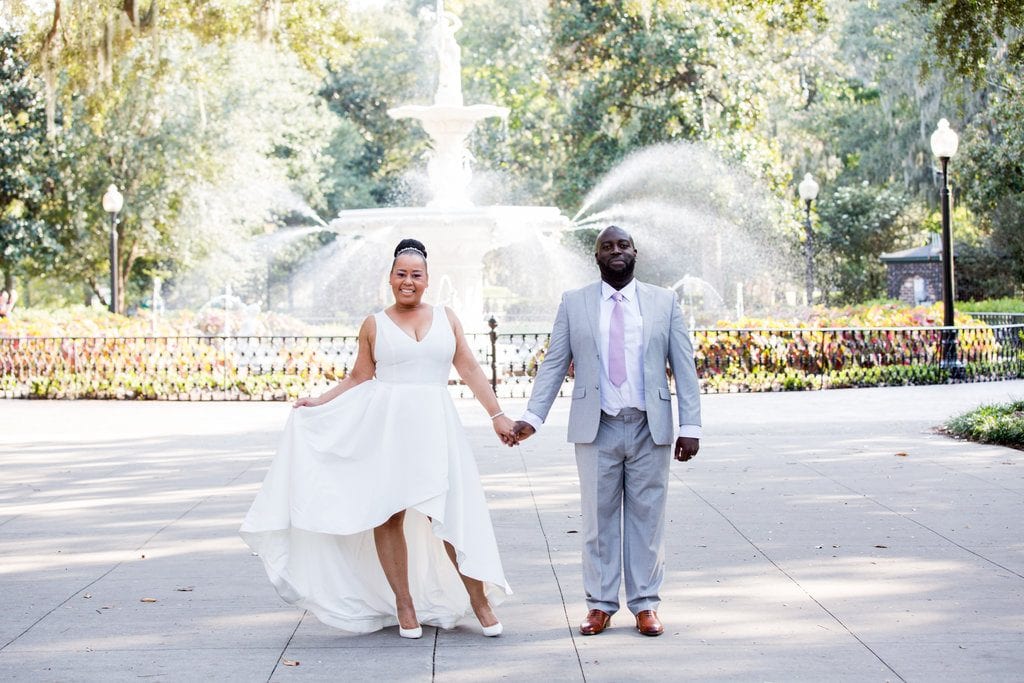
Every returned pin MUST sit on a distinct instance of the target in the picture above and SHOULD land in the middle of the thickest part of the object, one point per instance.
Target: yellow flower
(14, 209)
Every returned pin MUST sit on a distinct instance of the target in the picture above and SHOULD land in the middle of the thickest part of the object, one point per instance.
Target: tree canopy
(224, 123)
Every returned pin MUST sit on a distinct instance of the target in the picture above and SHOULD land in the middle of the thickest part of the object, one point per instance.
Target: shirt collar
(628, 292)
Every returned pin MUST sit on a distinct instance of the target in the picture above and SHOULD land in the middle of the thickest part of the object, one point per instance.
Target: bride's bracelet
(497, 414)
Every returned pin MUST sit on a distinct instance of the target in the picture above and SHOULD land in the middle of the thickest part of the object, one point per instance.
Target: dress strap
(440, 310)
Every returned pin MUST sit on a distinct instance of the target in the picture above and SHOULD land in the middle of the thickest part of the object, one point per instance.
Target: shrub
(1001, 423)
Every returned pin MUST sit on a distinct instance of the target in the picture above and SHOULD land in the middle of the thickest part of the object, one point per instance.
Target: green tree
(143, 140)
(635, 74)
(869, 113)
(274, 149)
(387, 68)
(972, 35)
(77, 46)
(188, 108)
(507, 55)
(25, 174)
(860, 222)
(991, 170)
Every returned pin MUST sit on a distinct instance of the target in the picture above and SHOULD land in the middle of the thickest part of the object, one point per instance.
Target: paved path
(817, 536)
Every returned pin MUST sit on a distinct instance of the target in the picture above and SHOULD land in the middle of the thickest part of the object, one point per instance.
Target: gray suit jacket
(574, 337)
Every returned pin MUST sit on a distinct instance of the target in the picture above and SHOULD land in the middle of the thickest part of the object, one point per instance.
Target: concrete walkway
(817, 536)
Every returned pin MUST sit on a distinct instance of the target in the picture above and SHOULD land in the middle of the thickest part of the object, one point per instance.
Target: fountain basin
(457, 239)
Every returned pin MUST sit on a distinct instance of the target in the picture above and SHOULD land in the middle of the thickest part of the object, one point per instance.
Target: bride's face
(409, 279)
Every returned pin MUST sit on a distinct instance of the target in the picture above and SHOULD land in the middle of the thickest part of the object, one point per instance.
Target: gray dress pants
(623, 486)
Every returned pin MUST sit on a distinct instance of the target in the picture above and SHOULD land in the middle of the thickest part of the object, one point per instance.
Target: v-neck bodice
(404, 360)
(430, 327)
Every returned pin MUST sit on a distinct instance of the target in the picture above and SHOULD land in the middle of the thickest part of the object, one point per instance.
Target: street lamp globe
(808, 188)
(944, 141)
(113, 200)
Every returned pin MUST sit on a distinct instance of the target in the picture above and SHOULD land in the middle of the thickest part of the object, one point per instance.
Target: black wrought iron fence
(1000, 318)
(791, 359)
(279, 368)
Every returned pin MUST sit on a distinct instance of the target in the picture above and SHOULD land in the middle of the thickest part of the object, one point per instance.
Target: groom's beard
(620, 276)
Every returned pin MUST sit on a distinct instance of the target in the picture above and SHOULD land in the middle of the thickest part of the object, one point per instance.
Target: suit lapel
(592, 300)
(645, 301)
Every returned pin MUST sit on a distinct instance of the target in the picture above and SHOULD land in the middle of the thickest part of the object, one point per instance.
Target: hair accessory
(415, 249)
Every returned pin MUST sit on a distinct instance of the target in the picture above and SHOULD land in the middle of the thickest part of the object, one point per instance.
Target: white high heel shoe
(412, 633)
(492, 631)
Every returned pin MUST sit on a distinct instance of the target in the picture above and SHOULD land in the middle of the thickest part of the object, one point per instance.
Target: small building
(915, 275)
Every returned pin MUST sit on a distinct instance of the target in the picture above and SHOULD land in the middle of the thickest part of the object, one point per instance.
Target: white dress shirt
(631, 393)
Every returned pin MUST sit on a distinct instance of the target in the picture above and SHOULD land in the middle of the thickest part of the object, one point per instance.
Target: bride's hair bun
(409, 244)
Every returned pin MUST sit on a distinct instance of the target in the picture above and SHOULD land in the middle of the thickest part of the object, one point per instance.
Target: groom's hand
(686, 448)
(522, 430)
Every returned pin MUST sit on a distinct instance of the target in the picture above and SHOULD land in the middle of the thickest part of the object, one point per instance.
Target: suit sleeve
(684, 370)
(553, 368)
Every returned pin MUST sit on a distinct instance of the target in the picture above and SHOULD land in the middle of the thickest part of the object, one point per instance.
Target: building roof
(929, 252)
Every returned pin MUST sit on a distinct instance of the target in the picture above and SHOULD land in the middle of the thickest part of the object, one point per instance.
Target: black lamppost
(112, 203)
(493, 324)
(808, 192)
(944, 145)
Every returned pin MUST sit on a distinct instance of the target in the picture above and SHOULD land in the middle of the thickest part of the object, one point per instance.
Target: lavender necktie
(617, 342)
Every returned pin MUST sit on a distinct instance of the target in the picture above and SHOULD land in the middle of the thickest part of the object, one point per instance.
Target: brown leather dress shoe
(595, 622)
(648, 624)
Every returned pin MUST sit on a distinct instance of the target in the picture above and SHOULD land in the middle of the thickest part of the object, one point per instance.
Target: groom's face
(615, 254)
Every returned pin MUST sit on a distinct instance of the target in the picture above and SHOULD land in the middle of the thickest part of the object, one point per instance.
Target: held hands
(520, 430)
(686, 448)
(504, 428)
(511, 433)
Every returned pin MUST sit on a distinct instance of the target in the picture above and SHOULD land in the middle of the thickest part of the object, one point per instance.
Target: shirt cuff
(532, 420)
(689, 431)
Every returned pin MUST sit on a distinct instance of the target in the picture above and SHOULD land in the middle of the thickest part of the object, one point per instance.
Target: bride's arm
(473, 375)
(361, 371)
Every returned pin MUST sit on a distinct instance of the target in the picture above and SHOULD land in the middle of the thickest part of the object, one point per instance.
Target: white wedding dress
(389, 444)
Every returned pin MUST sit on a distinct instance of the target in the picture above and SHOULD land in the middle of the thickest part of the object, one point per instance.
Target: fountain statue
(449, 55)
(457, 233)
(448, 121)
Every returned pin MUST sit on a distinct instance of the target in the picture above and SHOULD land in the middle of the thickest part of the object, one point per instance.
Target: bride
(372, 513)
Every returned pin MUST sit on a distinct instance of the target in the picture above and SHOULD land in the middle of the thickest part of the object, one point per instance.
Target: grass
(1000, 423)
(1007, 305)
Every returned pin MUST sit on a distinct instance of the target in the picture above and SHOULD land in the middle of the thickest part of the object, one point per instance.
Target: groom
(620, 335)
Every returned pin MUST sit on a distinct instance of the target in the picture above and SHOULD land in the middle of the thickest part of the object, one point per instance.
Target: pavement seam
(551, 562)
(98, 578)
(914, 521)
(790, 577)
(433, 656)
(295, 630)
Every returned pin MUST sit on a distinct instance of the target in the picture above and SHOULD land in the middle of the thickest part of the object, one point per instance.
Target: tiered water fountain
(699, 222)
(457, 233)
